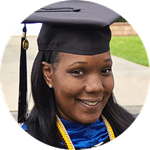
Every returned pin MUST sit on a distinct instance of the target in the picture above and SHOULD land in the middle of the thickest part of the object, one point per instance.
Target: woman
(72, 82)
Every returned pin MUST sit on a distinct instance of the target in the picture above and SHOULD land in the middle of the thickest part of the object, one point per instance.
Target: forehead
(68, 59)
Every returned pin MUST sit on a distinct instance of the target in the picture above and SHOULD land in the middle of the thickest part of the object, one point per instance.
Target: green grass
(130, 48)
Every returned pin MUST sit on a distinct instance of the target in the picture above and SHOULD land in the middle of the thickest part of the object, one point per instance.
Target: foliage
(121, 20)
(130, 48)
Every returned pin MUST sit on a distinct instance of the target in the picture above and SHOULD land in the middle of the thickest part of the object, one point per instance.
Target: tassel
(22, 104)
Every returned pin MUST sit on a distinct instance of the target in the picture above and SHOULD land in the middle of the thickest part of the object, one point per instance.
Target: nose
(94, 85)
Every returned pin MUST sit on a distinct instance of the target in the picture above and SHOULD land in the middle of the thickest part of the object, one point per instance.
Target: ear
(47, 72)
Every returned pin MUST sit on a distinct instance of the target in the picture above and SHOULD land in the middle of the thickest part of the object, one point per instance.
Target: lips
(90, 102)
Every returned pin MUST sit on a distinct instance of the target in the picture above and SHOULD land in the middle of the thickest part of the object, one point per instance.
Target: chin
(89, 120)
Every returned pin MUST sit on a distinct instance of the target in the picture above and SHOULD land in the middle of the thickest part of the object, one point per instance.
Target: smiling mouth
(90, 103)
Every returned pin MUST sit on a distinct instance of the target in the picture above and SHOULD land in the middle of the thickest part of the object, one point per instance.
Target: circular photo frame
(71, 95)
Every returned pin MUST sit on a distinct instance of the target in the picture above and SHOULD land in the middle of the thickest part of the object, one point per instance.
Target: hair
(42, 119)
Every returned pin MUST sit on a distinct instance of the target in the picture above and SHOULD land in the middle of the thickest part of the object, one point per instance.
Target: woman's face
(82, 86)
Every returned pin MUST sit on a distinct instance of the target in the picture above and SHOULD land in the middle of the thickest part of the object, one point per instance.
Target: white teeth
(90, 103)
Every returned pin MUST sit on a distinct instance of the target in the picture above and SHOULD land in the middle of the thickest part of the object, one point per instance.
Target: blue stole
(86, 136)
(24, 127)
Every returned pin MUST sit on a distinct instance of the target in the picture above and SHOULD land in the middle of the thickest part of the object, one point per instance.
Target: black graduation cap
(77, 27)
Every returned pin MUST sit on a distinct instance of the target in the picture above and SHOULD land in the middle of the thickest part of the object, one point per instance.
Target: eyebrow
(78, 62)
(83, 62)
(107, 60)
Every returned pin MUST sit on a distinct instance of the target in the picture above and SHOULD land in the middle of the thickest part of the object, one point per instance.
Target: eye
(106, 71)
(78, 72)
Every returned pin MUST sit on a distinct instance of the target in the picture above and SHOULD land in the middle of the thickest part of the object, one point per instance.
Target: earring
(50, 86)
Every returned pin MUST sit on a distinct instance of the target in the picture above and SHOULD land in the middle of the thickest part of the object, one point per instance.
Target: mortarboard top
(78, 14)
(74, 12)
(77, 27)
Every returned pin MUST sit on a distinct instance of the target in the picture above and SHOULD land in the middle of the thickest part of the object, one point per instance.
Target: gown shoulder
(25, 127)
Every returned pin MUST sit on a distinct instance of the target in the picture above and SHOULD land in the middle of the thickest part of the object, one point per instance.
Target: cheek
(109, 84)
(66, 88)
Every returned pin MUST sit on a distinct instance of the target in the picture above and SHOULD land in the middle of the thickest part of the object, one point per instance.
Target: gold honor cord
(109, 128)
(64, 134)
(67, 139)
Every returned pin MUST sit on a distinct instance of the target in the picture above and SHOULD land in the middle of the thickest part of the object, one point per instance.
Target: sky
(32, 29)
